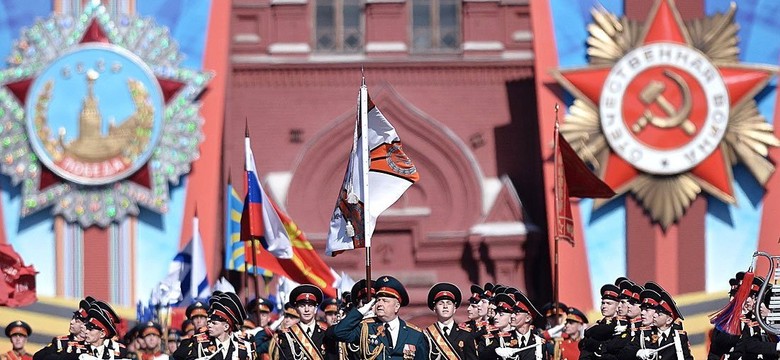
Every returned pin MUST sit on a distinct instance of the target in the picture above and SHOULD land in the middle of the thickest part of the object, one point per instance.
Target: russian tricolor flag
(259, 220)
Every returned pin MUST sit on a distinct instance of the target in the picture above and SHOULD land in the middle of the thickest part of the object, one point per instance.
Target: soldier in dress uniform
(17, 331)
(629, 315)
(172, 341)
(754, 342)
(100, 330)
(330, 309)
(197, 315)
(567, 346)
(603, 330)
(554, 315)
(643, 338)
(152, 334)
(74, 341)
(305, 339)
(530, 343)
(384, 336)
(499, 337)
(446, 339)
(477, 311)
(666, 341)
(187, 329)
(223, 340)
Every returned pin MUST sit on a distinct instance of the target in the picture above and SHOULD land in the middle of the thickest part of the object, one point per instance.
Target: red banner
(17, 286)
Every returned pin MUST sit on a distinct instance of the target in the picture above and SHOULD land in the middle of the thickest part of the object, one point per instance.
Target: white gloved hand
(777, 347)
(556, 331)
(367, 307)
(619, 329)
(644, 354)
(275, 325)
(505, 352)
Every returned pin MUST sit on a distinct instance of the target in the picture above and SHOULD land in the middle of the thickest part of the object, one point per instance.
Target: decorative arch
(448, 196)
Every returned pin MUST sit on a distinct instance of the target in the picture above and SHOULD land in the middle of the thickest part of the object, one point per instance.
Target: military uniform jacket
(534, 348)
(294, 343)
(458, 345)
(565, 348)
(755, 343)
(60, 345)
(600, 332)
(204, 346)
(674, 347)
(12, 355)
(721, 344)
(373, 343)
(185, 349)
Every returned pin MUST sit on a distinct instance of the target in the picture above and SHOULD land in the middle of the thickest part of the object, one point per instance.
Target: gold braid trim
(273, 349)
(365, 345)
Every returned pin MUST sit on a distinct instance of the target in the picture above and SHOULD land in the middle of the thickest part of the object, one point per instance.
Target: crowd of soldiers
(639, 322)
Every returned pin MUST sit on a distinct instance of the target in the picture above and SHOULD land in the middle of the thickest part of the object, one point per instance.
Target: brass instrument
(772, 322)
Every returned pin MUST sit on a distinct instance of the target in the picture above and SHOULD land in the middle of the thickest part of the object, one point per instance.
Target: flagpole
(254, 242)
(556, 237)
(364, 168)
(246, 190)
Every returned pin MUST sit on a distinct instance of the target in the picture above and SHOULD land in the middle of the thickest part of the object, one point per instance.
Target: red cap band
(306, 297)
(99, 324)
(388, 290)
(610, 293)
(442, 294)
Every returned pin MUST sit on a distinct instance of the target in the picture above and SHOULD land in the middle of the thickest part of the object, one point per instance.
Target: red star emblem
(94, 34)
(664, 26)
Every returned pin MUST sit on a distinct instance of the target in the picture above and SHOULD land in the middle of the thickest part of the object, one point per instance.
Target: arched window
(435, 25)
(339, 25)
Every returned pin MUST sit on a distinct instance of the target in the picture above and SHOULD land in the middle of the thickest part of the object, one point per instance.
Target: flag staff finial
(556, 115)
(246, 127)
(363, 75)
(196, 209)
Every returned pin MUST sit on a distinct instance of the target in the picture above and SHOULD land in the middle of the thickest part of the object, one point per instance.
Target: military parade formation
(638, 322)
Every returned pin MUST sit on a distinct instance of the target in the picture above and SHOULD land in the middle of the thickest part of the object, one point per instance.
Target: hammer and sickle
(653, 93)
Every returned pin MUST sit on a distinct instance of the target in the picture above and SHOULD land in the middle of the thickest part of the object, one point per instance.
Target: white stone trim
(289, 48)
(246, 38)
(518, 55)
(288, 2)
(510, 228)
(491, 187)
(386, 46)
(409, 211)
(522, 36)
(483, 46)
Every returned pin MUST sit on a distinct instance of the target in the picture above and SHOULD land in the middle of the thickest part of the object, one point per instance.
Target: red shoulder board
(464, 327)
(488, 336)
(504, 334)
(201, 337)
(682, 332)
(323, 325)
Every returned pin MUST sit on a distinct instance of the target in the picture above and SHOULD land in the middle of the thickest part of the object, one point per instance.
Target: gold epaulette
(201, 337)
(464, 327)
(63, 337)
(368, 321)
(682, 332)
(413, 326)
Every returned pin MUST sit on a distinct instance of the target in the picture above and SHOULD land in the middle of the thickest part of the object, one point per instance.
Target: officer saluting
(384, 336)
(17, 331)
(446, 339)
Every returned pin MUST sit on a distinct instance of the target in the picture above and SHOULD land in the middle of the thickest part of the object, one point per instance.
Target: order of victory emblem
(665, 109)
(97, 117)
